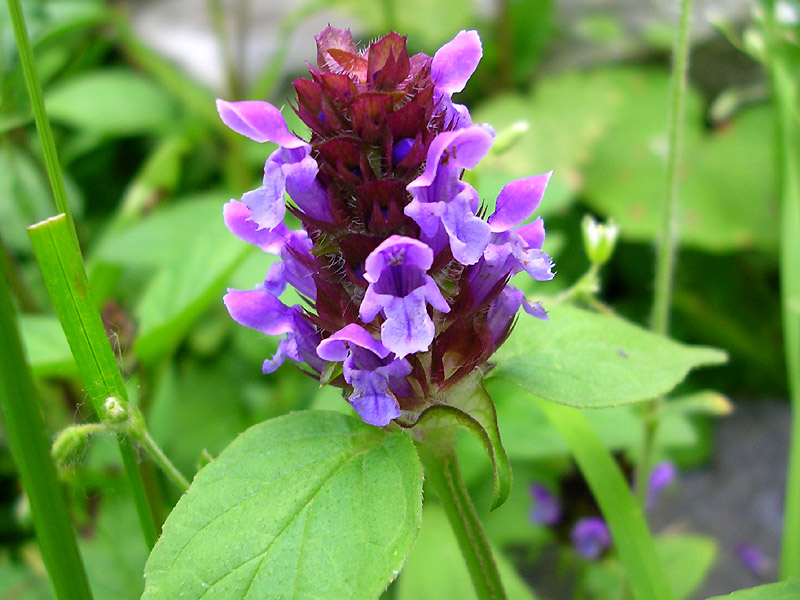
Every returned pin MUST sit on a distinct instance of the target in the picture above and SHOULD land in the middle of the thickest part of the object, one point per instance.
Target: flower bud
(599, 239)
(115, 411)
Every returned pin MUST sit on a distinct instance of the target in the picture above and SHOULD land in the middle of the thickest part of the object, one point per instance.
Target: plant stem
(785, 98)
(220, 24)
(441, 470)
(39, 113)
(30, 447)
(143, 509)
(158, 457)
(668, 236)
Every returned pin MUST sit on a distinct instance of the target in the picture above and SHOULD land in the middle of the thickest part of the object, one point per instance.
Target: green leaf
(589, 360)
(46, 347)
(469, 405)
(527, 434)
(632, 539)
(311, 504)
(785, 590)
(113, 102)
(436, 570)
(687, 560)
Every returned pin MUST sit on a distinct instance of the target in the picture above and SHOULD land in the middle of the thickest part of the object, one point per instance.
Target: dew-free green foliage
(785, 590)
(113, 102)
(311, 504)
(435, 569)
(686, 559)
(589, 360)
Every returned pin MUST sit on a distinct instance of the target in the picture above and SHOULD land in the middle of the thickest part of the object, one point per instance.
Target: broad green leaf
(113, 102)
(19, 581)
(590, 360)
(687, 559)
(436, 569)
(46, 347)
(311, 504)
(528, 435)
(785, 590)
(727, 191)
(166, 235)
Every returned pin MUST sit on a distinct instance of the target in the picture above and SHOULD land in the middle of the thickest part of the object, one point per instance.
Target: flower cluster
(405, 283)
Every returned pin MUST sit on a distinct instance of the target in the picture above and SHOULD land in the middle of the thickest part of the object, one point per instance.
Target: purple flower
(443, 201)
(590, 537)
(400, 288)
(405, 282)
(754, 560)
(661, 477)
(263, 312)
(546, 507)
(370, 369)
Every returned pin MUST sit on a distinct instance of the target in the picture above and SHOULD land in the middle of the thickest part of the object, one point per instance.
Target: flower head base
(406, 284)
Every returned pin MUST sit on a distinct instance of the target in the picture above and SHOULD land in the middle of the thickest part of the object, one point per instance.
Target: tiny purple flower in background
(590, 537)
(546, 507)
(661, 477)
(754, 560)
(405, 283)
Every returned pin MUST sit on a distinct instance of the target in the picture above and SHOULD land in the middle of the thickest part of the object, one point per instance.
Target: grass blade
(620, 509)
(60, 260)
(30, 446)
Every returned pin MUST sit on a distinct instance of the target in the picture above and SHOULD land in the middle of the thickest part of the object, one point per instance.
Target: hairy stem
(441, 470)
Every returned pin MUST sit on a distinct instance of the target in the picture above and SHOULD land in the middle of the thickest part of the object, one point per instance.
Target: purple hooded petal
(397, 250)
(455, 62)
(372, 399)
(259, 121)
(517, 201)
(428, 215)
(459, 149)
(238, 221)
(259, 310)
(334, 348)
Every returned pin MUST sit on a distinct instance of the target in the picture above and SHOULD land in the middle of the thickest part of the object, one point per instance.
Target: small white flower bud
(115, 411)
(599, 239)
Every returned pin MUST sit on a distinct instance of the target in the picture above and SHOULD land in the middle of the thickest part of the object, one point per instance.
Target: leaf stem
(441, 470)
(158, 457)
(30, 447)
(39, 112)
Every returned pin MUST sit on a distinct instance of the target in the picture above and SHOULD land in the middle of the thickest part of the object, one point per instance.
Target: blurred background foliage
(130, 88)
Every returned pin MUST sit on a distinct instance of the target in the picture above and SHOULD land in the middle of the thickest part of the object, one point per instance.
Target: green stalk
(39, 113)
(668, 236)
(30, 446)
(60, 261)
(219, 22)
(441, 470)
(786, 100)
